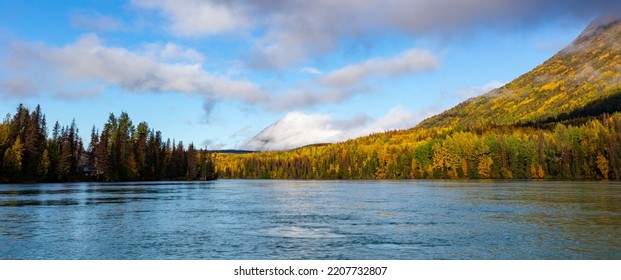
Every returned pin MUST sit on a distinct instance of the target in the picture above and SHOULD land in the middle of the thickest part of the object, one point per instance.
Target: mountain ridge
(560, 84)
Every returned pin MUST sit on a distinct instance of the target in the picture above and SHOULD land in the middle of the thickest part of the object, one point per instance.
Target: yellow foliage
(550, 86)
(13, 156)
(602, 57)
(603, 165)
(484, 167)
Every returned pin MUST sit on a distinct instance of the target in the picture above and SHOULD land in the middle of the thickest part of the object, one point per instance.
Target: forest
(119, 152)
(577, 149)
(590, 149)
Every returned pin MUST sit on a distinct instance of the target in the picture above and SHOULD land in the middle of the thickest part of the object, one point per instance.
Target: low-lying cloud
(469, 92)
(299, 129)
(294, 130)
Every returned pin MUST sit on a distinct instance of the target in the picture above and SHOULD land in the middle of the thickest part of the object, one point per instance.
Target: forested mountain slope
(558, 121)
(582, 79)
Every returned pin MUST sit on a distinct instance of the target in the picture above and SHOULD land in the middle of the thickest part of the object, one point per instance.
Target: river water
(276, 219)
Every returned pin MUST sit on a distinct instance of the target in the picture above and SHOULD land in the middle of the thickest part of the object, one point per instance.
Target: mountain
(582, 79)
(561, 120)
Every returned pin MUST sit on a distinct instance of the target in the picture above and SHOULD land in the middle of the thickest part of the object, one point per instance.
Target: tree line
(590, 150)
(121, 151)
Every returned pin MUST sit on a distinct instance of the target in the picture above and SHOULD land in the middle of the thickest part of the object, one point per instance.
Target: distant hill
(232, 152)
(582, 79)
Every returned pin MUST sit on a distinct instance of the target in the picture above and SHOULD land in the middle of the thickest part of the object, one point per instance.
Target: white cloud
(408, 62)
(173, 53)
(469, 92)
(341, 84)
(77, 69)
(192, 18)
(396, 118)
(309, 95)
(87, 67)
(294, 30)
(298, 129)
(311, 70)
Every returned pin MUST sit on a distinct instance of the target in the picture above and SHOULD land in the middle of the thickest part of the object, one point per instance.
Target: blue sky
(271, 74)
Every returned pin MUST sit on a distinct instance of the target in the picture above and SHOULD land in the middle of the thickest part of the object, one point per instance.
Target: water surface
(246, 219)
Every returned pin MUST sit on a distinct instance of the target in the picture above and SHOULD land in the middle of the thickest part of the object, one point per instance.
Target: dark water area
(276, 219)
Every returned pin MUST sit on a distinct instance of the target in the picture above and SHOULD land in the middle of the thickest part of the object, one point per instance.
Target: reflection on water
(300, 232)
(234, 219)
(92, 193)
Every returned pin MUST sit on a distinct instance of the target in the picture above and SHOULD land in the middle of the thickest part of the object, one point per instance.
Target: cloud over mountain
(298, 129)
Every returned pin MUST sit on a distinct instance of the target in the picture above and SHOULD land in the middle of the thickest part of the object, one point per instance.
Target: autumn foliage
(591, 150)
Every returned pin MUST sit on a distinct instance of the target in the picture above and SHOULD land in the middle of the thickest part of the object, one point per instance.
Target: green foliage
(121, 152)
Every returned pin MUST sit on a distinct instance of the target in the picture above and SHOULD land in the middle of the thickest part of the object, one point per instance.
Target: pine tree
(192, 163)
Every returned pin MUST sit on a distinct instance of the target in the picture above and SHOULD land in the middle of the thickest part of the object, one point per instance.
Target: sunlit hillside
(585, 74)
(556, 121)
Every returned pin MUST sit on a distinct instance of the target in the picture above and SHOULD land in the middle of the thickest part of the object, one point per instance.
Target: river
(280, 219)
